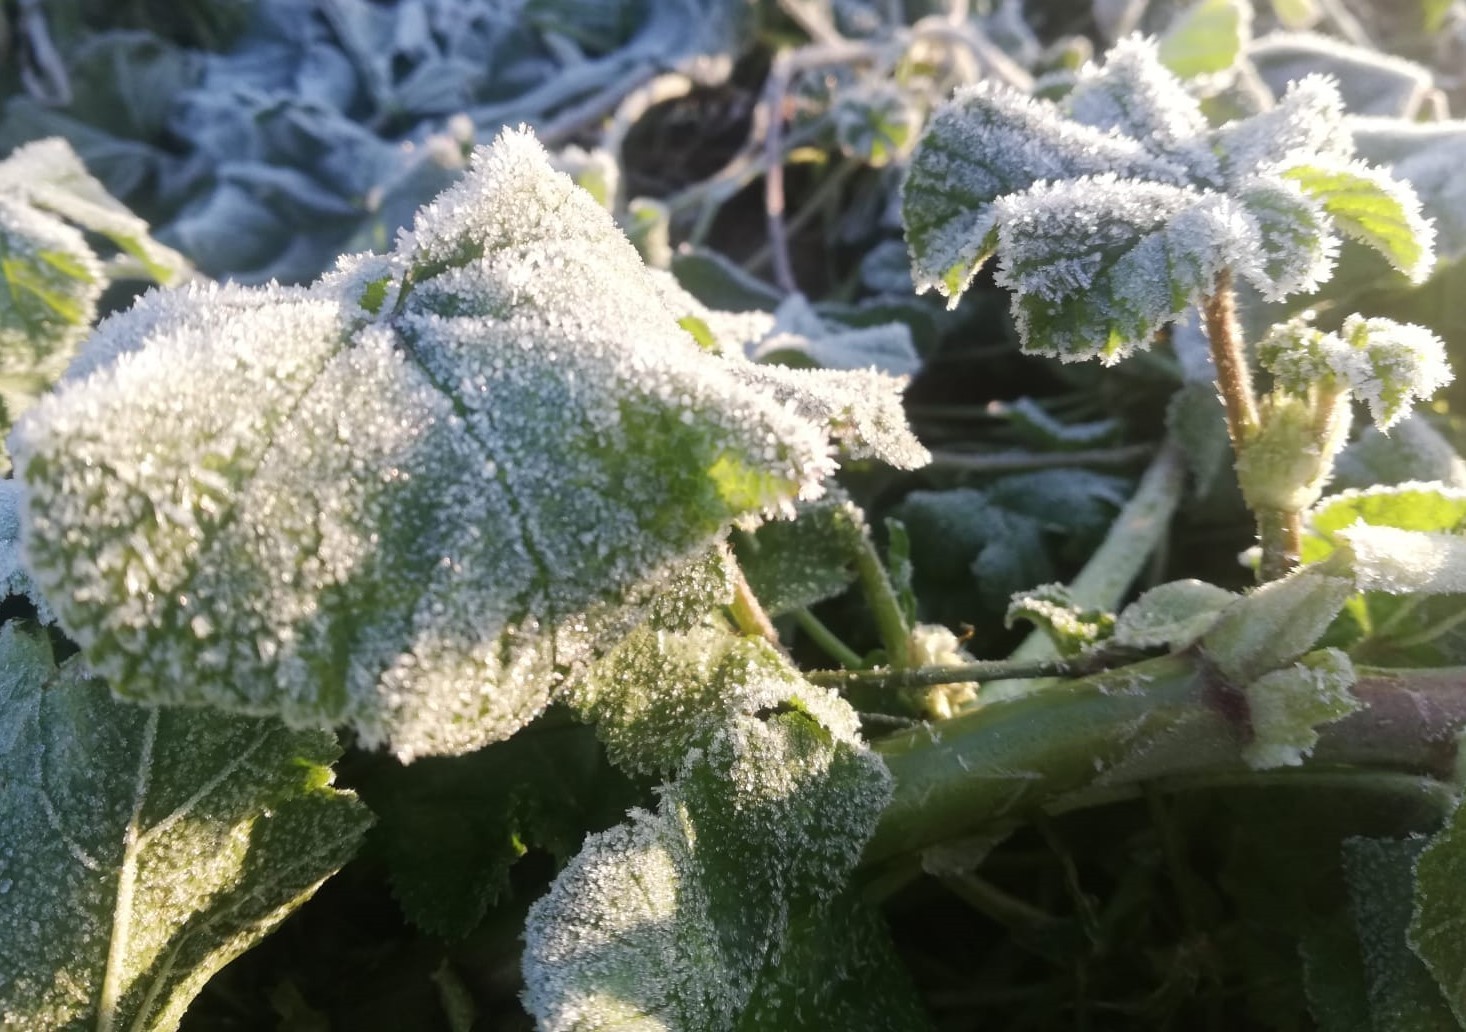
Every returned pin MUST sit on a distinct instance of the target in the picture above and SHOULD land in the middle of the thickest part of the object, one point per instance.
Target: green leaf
(14, 578)
(1051, 609)
(1429, 156)
(1276, 623)
(1173, 615)
(1207, 37)
(989, 142)
(1372, 206)
(1440, 910)
(347, 518)
(1432, 508)
(144, 848)
(49, 175)
(1099, 264)
(693, 917)
(450, 828)
(50, 282)
(791, 564)
(1403, 997)
(1287, 706)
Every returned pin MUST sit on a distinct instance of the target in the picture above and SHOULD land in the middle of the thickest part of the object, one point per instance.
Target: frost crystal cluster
(1115, 208)
(411, 497)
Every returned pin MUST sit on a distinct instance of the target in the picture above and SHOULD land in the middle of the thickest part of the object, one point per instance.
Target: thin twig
(893, 679)
(1017, 461)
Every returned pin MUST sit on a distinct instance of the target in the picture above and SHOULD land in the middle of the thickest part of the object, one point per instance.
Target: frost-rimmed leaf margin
(141, 849)
(1261, 197)
(339, 504)
(680, 919)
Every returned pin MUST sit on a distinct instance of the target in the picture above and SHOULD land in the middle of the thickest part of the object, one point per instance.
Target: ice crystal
(411, 497)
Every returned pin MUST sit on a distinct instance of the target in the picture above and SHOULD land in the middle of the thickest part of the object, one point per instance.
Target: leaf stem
(880, 595)
(1229, 355)
(827, 639)
(748, 613)
(1281, 533)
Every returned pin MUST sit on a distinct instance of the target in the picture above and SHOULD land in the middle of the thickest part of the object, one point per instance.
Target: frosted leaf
(1308, 123)
(1296, 247)
(1370, 205)
(1137, 96)
(50, 282)
(284, 502)
(1286, 707)
(1206, 38)
(860, 408)
(1435, 926)
(1413, 450)
(141, 849)
(680, 919)
(1171, 615)
(1033, 423)
(800, 338)
(1405, 562)
(48, 175)
(1099, 265)
(14, 579)
(1275, 623)
(1429, 156)
(794, 563)
(876, 121)
(1371, 81)
(988, 142)
(1051, 609)
(1387, 365)
(1408, 506)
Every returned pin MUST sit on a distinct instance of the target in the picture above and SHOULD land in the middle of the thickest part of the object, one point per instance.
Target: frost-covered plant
(51, 279)
(1117, 208)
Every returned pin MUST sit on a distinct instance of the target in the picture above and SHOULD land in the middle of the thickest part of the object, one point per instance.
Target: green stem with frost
(1174, 717)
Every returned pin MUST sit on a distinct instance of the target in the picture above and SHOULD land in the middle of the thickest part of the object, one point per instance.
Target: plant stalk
(1162, 719)
(1229, 355)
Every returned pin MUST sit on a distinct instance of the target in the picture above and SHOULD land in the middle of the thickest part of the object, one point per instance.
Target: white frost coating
(1173, 615)
(1286, 707)
(1073, 197)
(1296, 247)
(412, 504)
(987, 142)
(1134, 94)
(1097, 263)
(1386, 364)
(14, 578)
(1306, 125)
(1405, 562)
(143, 848)
(668, 921)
